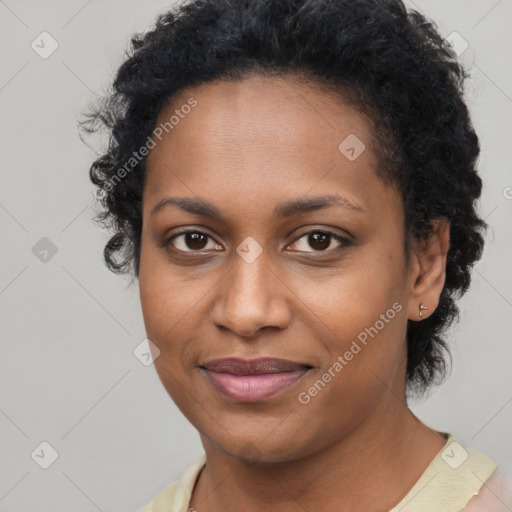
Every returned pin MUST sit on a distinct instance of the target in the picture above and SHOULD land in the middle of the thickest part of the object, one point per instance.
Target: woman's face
(264, 280)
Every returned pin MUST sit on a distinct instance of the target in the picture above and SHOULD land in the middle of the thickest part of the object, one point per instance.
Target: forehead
(259, 140)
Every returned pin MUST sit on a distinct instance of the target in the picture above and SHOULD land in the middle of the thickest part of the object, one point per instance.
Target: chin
(262, 450)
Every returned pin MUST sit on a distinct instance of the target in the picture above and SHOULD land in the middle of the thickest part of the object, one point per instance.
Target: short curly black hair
(389, 63)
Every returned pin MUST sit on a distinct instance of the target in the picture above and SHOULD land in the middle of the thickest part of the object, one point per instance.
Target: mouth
(253, 380)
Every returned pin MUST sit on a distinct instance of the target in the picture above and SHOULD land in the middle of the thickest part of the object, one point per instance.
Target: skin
(247, 146)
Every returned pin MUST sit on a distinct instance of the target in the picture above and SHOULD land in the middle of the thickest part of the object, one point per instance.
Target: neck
(371, 469)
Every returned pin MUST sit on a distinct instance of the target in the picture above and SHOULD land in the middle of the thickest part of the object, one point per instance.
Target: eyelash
(345, 242)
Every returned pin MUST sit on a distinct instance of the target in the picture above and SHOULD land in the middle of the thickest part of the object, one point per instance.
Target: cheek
(168, 312)
(363, 322)
(359, 371)
(348, 302)
(173, 313)
(168, 319)
(165, 298)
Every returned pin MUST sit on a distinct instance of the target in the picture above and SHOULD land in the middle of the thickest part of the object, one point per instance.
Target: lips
(261, 366)
(253, 380)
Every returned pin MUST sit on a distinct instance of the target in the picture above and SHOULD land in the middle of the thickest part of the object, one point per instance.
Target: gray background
(69, 327)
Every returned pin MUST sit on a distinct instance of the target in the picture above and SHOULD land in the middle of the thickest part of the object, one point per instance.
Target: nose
(251, 297)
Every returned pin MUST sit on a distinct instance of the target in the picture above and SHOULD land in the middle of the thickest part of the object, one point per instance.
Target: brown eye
(195, 241)
(320, 241)
(191, 241)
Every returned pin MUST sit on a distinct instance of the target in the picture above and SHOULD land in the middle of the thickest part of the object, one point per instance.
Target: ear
(428, 270)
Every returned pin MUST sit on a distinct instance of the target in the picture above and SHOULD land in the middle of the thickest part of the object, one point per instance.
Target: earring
(422, 307)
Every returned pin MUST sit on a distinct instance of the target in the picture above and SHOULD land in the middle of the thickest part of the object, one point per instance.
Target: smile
(253, 388)
(252, 380)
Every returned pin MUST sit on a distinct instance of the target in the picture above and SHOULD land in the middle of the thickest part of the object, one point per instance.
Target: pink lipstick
(253, 380)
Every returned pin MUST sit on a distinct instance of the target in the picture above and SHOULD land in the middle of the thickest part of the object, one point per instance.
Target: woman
(293, 184)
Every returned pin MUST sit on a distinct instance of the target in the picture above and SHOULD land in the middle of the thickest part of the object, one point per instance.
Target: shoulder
(162, 500)
(176, 496)
(452, 479)
(495, 495)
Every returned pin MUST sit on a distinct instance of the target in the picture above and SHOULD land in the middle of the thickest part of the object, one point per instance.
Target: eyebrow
(286, 209)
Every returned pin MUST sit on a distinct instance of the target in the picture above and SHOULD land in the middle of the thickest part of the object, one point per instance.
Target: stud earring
(422, 308)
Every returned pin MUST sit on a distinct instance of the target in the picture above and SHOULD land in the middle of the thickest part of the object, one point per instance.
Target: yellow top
(454, 476)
